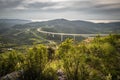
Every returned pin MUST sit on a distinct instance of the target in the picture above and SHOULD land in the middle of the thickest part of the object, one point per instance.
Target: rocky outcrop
(61, 75)
(17, 75)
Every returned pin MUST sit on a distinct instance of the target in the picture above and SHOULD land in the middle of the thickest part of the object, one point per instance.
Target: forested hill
(75, 26)
(14, 21)
(15, 32)
(62, 25)
(5, 24)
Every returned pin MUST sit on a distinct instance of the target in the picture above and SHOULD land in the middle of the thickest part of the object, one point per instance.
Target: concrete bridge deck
(69, 34)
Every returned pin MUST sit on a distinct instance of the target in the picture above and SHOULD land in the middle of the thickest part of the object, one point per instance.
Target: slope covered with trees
(15, 33)
(75, 26)
(96, 59)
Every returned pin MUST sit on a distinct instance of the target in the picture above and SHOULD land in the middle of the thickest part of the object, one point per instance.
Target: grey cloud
(109, 9)
(38, 5)
(69, 6)
(8, 4)
(78, 5)
(91, 7)
(106, 8)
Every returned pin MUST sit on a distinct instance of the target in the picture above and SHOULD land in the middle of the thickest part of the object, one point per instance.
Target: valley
(20, 33)
(49, 50)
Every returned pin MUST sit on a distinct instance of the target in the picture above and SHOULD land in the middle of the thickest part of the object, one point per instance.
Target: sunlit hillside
(91, 59)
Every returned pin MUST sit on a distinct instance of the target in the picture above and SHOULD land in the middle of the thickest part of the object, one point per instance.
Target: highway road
(69, 34)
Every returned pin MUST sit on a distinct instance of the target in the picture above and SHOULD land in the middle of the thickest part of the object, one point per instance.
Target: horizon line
(89, 20)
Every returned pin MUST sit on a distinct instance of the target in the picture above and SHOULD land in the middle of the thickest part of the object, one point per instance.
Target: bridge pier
(74, 37)
(53, 35)
(61, 37)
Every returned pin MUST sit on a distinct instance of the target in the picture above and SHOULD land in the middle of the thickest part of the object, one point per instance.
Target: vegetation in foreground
(96, 59)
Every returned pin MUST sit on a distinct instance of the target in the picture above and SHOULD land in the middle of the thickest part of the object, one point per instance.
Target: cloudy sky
(53, 9)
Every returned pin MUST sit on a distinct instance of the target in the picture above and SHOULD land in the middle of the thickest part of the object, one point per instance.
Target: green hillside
(15, 33)
(75, 26)
(91, 59)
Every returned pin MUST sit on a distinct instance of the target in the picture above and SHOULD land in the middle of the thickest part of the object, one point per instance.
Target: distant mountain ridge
(75, 26)
(63, 25)
(20, 21)
(6, 24)
(11, 31)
